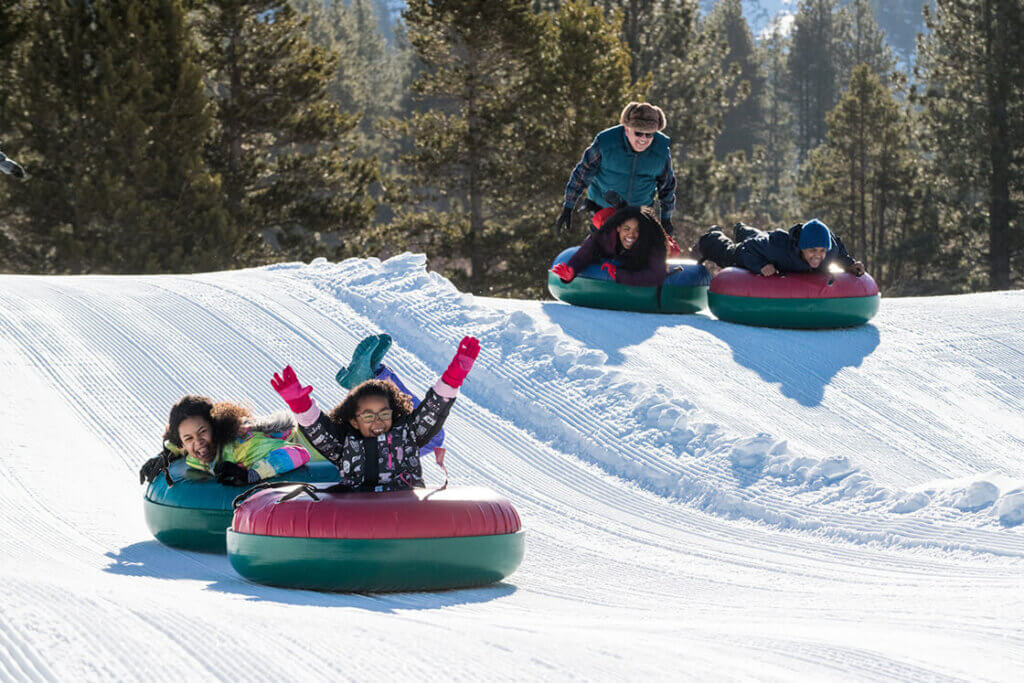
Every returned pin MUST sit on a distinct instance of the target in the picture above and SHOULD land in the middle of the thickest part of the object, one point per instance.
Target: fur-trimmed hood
(281, 421)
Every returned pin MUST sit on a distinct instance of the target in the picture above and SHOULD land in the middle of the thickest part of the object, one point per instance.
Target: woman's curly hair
(652, 237)
(226, 419)
(400, 404)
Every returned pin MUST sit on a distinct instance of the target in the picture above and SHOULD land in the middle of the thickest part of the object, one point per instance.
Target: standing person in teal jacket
(631, 159)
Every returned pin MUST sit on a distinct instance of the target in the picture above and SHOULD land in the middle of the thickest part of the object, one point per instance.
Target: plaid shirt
(589, 166)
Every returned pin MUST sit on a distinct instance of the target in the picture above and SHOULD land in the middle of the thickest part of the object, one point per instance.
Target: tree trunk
(997, 90)
(476, 265)
(234, 188)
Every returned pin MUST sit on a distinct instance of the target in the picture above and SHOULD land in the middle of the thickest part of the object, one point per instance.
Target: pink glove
(463, 361)
(673, 247)
(564, 271)
(609, 268)
(293, 393)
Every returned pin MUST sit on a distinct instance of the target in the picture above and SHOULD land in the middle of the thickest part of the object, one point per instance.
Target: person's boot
(360, 369)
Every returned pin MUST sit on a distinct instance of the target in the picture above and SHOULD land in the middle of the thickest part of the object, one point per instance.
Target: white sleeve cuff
(442, 389)
(308, 417)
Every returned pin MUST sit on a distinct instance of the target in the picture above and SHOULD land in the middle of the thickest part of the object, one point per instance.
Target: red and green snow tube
(194, 513)
(796, 300)
(419, 539)
(685, 289)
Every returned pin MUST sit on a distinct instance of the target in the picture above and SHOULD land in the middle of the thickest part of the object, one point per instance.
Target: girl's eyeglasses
(369, 418)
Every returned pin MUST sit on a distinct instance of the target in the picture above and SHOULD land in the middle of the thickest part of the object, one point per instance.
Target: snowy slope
(701, 499)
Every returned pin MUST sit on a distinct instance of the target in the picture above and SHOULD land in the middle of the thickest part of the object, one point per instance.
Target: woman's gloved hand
(564, 272)
(233, 474)
(294, 394)
(457, 370)
(155, 465)
(610, 269)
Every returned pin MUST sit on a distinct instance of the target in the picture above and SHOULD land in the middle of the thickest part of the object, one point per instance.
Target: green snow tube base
(194, 513)
(794, 313)
(362, 565)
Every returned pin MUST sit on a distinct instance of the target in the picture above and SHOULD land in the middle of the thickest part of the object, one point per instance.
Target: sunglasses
(369, 418)
(642, 135)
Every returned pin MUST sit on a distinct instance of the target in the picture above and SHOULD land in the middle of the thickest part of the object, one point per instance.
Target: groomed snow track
(702, 500)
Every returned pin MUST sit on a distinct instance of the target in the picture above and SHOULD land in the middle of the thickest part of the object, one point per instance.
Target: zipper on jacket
(632, 174)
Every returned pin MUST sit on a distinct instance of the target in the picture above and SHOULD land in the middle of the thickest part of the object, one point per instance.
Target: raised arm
(315, 426)
(428, 417)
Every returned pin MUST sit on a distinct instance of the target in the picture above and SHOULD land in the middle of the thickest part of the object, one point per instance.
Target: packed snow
(701, 499)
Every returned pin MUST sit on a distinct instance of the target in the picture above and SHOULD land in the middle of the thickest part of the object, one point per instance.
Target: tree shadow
(801, 362)
(155, 560)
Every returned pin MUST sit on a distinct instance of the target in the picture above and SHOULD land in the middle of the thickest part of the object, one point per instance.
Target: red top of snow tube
(416, 513)
(741, 282)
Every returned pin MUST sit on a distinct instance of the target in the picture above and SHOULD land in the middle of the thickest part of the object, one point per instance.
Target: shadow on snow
(154, 560)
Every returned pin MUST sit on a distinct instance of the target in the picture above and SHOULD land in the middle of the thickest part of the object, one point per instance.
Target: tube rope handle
(439, 459)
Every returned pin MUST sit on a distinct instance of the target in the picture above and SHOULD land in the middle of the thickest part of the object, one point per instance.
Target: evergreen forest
(171, 136)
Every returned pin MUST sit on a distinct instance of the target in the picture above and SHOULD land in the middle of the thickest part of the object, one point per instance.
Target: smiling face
(629, 232)
(373, 416)
(196, 436)
(638, 141)
(814, 257)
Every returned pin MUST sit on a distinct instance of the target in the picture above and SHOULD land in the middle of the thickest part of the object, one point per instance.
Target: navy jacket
(779, 248)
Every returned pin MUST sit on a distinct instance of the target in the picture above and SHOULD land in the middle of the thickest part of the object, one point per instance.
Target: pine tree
(285, 152)
(508, 100)
(972, 63)
(108, 111)
(474, 56)
(812, 70)
(859, 178)
(859, 40)
(742, 122)
(372, 77)
(773, 164)
(564, 113)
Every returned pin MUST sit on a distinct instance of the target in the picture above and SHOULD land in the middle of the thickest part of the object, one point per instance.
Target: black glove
(231, 474)
(666, 224)
(154, 466)
(614, 199)
(564, 221)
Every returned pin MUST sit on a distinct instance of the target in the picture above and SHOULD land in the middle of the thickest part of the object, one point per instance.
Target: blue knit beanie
(814, 234)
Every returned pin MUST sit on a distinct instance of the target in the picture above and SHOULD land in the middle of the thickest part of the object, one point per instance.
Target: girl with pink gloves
(374, 436)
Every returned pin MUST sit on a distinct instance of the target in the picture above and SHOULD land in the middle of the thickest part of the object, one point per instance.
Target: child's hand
(456, 373)
(768, 270)
(294, 394)
(855, 268)
(610, 269)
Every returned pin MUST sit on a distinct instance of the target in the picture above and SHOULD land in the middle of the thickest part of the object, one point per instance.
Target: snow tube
(798, 300)
(194, 513)
(685, 290)
(420, 539)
